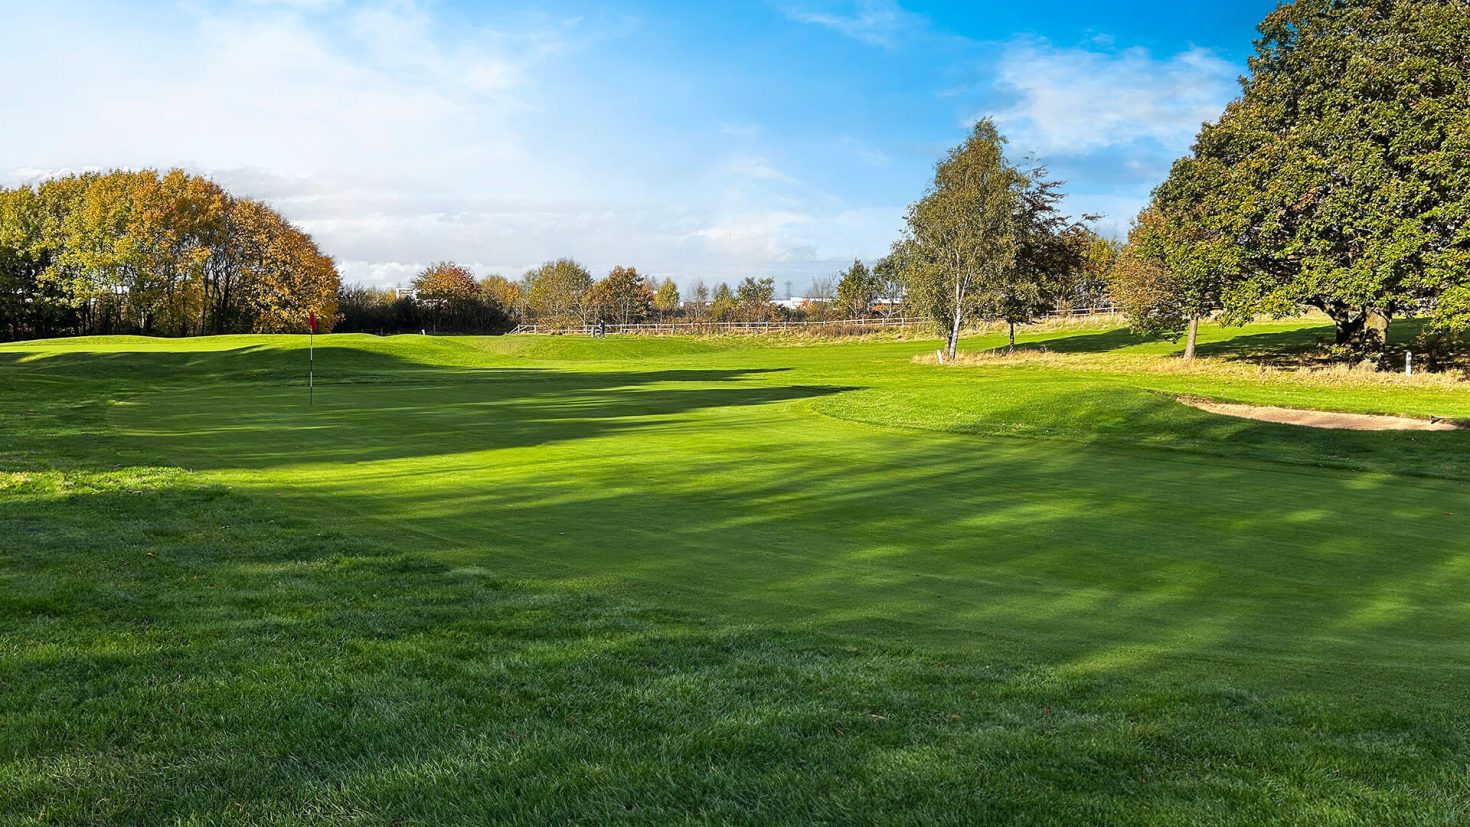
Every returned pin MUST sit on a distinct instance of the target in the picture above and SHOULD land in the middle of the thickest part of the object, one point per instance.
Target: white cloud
(1070, 101)
(271, 90)
(397, 142)
(762, 235)
(876, 22)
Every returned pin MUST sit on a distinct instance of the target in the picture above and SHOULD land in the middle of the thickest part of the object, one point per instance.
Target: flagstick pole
(310, 366)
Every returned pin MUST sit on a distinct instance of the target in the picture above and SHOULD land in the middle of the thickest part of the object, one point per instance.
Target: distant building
(797, 302)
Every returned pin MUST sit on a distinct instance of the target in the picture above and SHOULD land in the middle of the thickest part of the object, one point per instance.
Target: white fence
(673, 328)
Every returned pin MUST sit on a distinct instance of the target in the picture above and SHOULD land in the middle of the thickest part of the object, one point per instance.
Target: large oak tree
(1340, 179)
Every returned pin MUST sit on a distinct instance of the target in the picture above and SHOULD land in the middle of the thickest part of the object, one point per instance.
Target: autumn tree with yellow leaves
(139, 251)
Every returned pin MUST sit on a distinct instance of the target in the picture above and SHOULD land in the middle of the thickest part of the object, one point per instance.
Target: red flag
(311, 320)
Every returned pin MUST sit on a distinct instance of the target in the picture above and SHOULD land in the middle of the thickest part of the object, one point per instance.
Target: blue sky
(692, 140)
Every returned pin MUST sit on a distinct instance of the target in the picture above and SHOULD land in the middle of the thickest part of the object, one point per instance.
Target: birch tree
(963, 234)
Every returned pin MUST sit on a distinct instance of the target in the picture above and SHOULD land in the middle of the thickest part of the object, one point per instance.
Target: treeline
(449, 298)
(1338, 180)
(167, 254)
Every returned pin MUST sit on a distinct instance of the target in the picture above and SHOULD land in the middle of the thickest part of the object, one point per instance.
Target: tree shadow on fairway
(1092, 342)
(1065, 548)
(1283, 344)
(918, 630)
(244, 409)
(795, 618)
(1282, 347)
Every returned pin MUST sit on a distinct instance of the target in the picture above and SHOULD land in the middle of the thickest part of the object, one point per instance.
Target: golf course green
(554, 579)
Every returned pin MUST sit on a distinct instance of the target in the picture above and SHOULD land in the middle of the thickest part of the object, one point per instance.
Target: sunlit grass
(556, 579)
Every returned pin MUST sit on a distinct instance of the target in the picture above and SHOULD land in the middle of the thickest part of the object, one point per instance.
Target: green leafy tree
(1088, 286)
(1340, 178)
(888, 284)
(98, 262)
(754, 297)
(1144, 288)
(29, 306)
(963, 234)
(1049, 253)
(856, 290)
(723, 307)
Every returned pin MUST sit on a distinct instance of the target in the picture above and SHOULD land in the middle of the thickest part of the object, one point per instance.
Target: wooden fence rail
(757, 327)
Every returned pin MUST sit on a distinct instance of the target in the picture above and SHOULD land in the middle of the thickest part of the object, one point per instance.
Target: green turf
(545, 579)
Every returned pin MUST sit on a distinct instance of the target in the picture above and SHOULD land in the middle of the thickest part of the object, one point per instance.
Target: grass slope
(545, 579)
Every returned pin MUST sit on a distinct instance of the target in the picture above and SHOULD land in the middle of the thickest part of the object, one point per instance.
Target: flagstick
(310, 365)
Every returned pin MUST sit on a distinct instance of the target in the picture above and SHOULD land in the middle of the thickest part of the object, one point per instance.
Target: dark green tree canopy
(988, 240)
(1051, 252)
(1340, 179)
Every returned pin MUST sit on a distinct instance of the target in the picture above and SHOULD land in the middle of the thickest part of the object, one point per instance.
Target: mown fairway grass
(550, 580)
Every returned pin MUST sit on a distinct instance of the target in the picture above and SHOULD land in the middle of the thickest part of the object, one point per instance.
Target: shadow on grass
(242, 409)
(902, 626)
(1276, 347)
(1309, 345)
(1285, 343)
(185, 652)
(1103, 342)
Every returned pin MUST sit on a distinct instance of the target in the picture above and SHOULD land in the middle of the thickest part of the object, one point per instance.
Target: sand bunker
(1321, 419)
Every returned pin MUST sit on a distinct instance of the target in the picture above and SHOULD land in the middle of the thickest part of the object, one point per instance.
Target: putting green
(1275, 619)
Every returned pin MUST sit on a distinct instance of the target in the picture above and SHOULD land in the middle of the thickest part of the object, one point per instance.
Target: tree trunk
(1349, 328)
(1013, 337)
(1191, 337)
(1375, 333)
(1362, 330)
(953, 339)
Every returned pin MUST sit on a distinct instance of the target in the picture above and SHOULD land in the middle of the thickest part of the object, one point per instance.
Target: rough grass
(1305, 373)
(561, 580)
